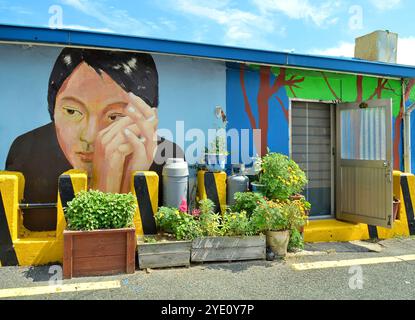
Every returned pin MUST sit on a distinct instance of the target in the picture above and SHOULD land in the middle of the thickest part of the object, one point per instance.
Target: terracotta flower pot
(296, 197)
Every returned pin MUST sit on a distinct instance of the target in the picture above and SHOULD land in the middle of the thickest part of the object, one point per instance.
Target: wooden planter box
(164, 254)
(228, 248)
(98, 252)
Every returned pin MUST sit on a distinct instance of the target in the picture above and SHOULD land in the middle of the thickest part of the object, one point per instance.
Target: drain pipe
(407, 138)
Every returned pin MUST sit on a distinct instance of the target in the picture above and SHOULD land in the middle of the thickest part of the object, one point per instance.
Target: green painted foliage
(330, 86)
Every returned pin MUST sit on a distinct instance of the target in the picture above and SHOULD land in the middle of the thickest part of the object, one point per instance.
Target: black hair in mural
(134, 72)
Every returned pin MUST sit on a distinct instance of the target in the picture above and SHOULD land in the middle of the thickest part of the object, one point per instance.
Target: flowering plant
(236, 224)
(247, 201)
(268, 216)
(181, 224)
(278, 215)
(265, 215)
(183, 205)
(281, 176)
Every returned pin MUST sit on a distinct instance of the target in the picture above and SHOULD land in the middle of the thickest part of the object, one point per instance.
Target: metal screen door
(364, 163)
(311, 147)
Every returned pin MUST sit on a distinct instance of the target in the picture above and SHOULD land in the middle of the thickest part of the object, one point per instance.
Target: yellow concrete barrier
(33, 247)
(11, 192)
(145, 187)
(212, 185)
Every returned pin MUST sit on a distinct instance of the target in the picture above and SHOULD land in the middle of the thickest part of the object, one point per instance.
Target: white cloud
(5, 6)
(344, 49)
(240, 26)
(114, 19)
(85, 28)
(406, 50)
(385, 4)
(301, 9)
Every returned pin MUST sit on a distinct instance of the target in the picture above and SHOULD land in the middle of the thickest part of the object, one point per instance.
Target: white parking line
(348, 263)
(75, 287)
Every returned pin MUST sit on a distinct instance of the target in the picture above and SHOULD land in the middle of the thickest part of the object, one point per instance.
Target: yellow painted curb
(349, 263)
(76, 287)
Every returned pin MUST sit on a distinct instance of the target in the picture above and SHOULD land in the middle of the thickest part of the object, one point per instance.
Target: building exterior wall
(190, 90)
(184, 83)
(265, 92)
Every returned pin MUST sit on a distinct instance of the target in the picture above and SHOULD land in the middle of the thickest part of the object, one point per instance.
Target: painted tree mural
(267, 89)
(318, 86)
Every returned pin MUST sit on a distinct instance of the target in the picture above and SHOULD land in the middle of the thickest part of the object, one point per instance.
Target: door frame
(332, 105)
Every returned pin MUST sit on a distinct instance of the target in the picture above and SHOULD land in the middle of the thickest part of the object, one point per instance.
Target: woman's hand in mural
(127, 145)
(142, 138)
(110, 153)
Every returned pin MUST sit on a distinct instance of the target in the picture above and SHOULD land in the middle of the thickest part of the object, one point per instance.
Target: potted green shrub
(100, 236)
(255, 173)
(216, 154)
(281, 177)
(277, 220)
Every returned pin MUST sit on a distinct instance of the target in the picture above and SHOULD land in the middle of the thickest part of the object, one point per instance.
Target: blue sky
(304, 26)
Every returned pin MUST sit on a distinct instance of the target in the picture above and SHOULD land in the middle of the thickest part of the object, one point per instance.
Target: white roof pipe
(407, 138)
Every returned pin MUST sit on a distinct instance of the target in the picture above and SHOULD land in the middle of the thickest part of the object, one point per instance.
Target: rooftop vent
(379, 46)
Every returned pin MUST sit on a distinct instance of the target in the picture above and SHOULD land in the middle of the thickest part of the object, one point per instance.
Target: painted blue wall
(189, 90)
(278, 133)
(24, 75)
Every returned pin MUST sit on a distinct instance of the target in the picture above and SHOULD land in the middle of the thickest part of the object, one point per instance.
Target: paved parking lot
(323, 271)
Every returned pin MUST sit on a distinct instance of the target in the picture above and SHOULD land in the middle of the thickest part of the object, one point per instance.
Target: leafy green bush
(278, 215)
(294, 212)
(209, 220)
(236, 224)
(93, 210)
(217, 146)
(203, 223)
(268, 216)
(296, 241)
(181, 224)
(281, 176)
(247, 201)
(206, 206)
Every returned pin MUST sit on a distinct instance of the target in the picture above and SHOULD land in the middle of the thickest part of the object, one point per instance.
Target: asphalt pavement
(364, 271)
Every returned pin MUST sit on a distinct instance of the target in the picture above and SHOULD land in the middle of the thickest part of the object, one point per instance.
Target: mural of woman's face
(86, 103)
(104, 130)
